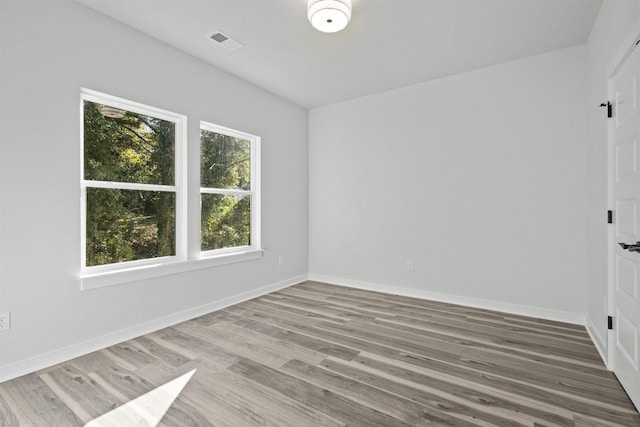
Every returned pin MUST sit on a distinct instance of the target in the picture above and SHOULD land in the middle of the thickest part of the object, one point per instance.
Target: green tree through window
(124, 222)
(225, 176)
(134, 193)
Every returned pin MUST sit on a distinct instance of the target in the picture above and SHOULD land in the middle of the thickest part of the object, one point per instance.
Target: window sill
(100, 280)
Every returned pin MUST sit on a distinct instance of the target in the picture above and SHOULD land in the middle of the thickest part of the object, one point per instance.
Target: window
(131, 190)
(134, 197)
(228, 190)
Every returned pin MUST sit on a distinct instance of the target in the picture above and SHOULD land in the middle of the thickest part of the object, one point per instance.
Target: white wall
(479, 178)
(616, 20)
(49, 50)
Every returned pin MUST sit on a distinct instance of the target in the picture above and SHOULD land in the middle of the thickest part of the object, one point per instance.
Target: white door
(626, 197)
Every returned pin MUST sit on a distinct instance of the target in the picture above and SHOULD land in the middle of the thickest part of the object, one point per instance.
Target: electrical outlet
(5, 321)
(281, 261)
(410, 265)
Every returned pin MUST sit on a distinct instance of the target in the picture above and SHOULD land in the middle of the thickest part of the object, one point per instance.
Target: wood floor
(315, 354)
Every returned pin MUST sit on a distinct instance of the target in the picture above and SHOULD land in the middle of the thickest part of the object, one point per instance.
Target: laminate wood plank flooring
(321, 355)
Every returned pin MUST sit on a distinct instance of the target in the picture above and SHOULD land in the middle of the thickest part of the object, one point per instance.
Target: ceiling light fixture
(329, 16)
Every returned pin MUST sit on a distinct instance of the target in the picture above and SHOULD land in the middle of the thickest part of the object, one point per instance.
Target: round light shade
(329, 16)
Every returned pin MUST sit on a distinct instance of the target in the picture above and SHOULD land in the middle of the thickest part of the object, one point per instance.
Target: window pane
(225, 161)
(226, 221)
(123, 146)
(125, 225)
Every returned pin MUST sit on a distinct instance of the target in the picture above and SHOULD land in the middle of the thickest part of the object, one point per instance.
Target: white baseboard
(36, 363)
(598, 340)
(523, 310)
(33, 364)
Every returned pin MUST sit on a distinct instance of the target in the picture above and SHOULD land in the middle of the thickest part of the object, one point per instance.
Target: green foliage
(122, 225)
(225, 221)
(125, 225)
(224, 161)
(225, 164)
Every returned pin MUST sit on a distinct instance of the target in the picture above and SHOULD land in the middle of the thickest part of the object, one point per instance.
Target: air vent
(225, 41)
(219, 37)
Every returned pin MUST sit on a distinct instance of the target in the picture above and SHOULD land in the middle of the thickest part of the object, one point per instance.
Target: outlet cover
(5, 321)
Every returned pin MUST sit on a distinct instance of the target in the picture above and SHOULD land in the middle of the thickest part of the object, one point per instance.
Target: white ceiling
(388, 43)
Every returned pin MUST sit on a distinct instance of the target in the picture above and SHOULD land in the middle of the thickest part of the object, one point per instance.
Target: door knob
(634, 247)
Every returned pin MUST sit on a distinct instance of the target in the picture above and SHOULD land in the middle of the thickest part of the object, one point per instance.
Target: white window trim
(254, 191)
(160, 267)
(112, 274)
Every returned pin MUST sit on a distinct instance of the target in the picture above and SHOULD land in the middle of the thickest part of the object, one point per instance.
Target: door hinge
(609, 217)
(609, 322)
(609, 108)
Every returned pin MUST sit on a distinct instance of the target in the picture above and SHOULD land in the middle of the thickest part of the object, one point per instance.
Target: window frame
(178, 187)
(189, 255)
(253, 192)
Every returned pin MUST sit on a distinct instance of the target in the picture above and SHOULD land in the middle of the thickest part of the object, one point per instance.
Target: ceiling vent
(225, 41)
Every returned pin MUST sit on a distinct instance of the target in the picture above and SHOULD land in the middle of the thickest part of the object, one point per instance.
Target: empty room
(319, 212)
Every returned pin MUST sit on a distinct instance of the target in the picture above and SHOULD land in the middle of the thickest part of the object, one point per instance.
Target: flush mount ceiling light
(329, 16)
